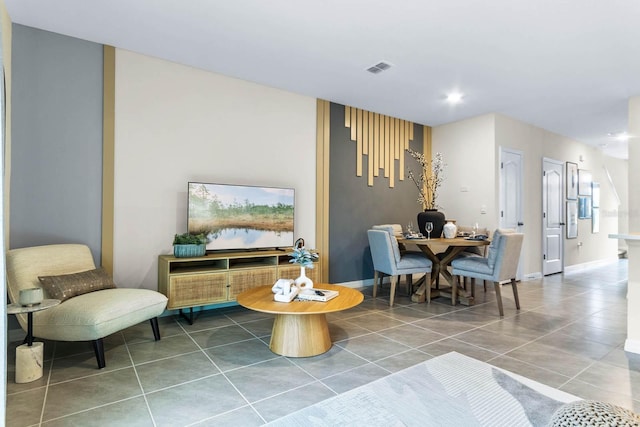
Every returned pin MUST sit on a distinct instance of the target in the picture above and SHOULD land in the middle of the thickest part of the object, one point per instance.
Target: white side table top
(19, 309)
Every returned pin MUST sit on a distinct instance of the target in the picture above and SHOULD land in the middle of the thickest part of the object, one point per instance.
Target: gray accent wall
(56, 157)
(354, 206)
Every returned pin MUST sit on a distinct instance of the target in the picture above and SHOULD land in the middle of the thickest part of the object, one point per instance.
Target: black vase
(433, 216)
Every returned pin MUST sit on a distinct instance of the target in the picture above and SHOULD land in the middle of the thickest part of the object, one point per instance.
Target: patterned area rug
(449, 390)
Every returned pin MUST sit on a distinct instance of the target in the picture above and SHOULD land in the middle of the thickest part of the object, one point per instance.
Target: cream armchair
(88, 316)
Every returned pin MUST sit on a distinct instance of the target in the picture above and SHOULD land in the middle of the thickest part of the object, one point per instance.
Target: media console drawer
(197, 289)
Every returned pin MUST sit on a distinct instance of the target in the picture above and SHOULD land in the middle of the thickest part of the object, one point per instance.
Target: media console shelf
(219, 277)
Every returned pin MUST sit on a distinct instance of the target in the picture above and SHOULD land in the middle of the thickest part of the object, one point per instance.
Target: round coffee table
(300, 328)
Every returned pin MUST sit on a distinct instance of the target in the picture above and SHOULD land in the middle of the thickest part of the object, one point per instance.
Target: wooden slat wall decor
(323, 135)
(382, 139)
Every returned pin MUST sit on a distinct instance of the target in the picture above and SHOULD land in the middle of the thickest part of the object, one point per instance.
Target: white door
(552, 216)
(511, 187)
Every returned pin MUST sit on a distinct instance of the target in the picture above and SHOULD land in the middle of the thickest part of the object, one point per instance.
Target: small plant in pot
(189, 245)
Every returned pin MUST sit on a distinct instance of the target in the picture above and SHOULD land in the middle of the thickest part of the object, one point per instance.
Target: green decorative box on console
(186, 251)
(189, 245)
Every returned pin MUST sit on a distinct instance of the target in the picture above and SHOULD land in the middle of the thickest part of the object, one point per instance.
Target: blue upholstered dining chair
(388, 260)
(500, 264)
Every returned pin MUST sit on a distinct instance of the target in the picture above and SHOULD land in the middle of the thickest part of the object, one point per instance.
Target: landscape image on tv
(241, 217)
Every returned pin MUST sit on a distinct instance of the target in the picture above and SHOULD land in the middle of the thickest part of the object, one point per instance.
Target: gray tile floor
(569, 334)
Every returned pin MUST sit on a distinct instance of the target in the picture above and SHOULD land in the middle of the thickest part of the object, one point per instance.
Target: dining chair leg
(498, 288)
(409, 284)
(375, 283)
(473, 287)
(392, 294)
(514, 285)
(454, 290)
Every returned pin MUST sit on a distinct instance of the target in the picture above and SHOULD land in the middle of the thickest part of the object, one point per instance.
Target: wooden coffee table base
(296, 335)
(300, 328)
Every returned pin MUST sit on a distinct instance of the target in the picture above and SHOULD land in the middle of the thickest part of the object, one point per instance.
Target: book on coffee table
(314, 294)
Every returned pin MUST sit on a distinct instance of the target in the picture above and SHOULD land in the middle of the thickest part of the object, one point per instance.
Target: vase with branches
(429, 180)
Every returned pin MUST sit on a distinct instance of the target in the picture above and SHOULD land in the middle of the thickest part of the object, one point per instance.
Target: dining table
(442, 251)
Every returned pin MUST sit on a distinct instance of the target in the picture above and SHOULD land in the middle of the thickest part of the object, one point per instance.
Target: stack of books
(323, 295)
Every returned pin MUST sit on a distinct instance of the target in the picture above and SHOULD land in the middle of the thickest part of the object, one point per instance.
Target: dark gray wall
(56, 157)
(354, 206)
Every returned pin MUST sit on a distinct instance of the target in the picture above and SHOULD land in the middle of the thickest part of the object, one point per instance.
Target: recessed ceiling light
(454, 97)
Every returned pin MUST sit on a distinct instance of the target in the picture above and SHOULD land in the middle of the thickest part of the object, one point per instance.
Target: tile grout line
(223, 373)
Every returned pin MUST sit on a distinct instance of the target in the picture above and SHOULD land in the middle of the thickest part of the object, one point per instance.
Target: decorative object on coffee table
(305, 259)
(189, 245)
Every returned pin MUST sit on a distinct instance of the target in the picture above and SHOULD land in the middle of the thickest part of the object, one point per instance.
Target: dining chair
(397, 232)
(388, 260)
(501, 264)
(473, 251)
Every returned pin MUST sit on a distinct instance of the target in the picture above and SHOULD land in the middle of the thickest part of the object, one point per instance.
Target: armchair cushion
(98, 314)
(66, 286)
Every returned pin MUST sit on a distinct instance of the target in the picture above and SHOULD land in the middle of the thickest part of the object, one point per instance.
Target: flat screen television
(240, 216)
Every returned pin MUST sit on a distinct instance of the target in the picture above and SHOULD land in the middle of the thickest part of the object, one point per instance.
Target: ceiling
(568, 66)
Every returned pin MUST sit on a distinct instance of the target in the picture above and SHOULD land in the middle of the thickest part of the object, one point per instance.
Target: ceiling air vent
(379, 67)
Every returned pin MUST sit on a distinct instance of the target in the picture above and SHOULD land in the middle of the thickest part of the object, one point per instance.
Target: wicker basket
(188, 251)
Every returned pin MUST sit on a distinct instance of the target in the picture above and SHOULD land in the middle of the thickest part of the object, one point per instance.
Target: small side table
(29, 355)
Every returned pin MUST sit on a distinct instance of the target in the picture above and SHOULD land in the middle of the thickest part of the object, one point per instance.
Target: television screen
(241, 217)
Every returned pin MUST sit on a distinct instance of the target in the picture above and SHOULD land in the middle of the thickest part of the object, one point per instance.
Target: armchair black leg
(155, 328)
(98, 348)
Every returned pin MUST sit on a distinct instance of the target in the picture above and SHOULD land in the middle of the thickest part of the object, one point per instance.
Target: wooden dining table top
(456, 241)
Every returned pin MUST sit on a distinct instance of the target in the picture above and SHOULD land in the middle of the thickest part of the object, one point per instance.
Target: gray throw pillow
(68, 286)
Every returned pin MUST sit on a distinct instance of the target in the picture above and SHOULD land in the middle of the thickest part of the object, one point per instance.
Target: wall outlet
(464, 189)
(483, 209)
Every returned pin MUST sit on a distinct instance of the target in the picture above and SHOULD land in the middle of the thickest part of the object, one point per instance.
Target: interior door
(511, 188)
(552, 216)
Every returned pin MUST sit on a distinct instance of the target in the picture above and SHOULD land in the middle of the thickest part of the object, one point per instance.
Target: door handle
(520, 224)
(562, 223)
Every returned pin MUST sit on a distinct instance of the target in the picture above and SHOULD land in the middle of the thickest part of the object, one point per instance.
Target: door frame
(562, 213)
(520, 228)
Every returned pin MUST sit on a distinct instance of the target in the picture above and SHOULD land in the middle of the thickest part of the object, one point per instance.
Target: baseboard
(632, 346)
(356, 284)
(532, 276)
(590, 264)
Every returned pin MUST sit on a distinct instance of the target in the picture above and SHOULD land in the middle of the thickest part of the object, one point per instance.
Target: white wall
(471, 150)
(537, 143)
(175, 124)
(468, 150)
